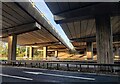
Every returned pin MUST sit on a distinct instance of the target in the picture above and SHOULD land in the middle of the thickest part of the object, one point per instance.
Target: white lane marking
(36, 73)
(15, 77)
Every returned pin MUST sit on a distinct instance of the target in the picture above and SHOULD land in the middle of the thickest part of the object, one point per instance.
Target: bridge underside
(24, 25)
(90, 26)
(93, 28)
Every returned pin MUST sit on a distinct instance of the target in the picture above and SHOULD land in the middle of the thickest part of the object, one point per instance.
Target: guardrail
(91, 67)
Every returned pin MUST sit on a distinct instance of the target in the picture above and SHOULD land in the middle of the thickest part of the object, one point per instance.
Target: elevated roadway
(29, 24)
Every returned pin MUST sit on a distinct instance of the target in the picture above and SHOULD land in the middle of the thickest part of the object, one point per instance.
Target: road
(22, 75)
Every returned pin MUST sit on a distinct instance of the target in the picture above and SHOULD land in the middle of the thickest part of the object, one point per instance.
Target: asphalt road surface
(25, 75)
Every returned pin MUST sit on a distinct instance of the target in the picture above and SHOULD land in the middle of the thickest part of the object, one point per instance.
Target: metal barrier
(69, 66)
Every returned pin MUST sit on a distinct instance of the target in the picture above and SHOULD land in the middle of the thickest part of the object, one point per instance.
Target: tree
(3, 48)
(20, 52)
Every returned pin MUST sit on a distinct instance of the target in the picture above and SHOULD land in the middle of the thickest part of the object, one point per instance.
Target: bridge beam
(12, 43)
(116, 37)
(104, 40)
(87, 12)
(20, 29)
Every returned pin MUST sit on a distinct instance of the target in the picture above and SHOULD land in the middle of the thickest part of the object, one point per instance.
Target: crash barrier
(91, 67)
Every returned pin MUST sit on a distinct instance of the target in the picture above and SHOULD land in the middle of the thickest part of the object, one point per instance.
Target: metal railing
(91, 67)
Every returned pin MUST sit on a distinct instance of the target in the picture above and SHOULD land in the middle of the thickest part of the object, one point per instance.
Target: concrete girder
(20, 29)
(116, 37)
(88, 12)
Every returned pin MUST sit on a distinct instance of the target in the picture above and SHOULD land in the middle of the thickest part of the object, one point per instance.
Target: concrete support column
(89, 51)
(56, 53)
(104, 40)
(12, 43)
(26, 53)
(44, 53)
(31, 53)
(117, 53)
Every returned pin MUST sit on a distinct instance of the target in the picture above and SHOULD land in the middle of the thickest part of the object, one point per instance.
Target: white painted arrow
(75, 77)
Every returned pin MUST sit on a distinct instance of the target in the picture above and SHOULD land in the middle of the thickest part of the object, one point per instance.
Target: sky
(45, 10)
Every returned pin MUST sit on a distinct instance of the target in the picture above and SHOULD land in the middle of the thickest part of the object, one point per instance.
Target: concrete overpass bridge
(89, 26)
(24, 24)
(88, 23)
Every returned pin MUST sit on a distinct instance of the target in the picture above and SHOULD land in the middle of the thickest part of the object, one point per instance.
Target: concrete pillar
(117, 53)
(89, 51)
(26, 53)
(44, 53)
(104, 40)
(12, 43)
(56, 53)
(30, 53)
